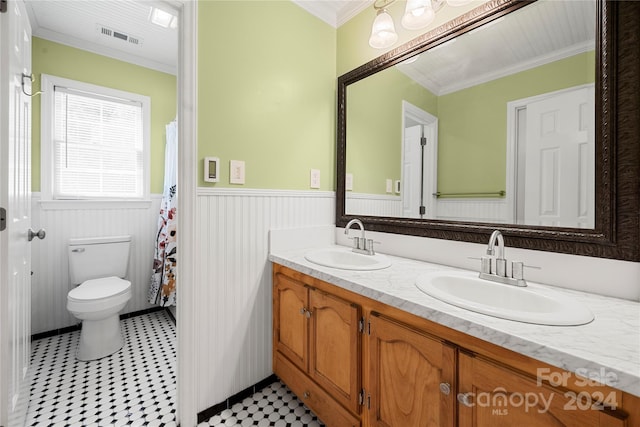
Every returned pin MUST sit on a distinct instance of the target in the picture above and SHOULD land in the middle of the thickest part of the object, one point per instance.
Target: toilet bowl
(100, 296)
(98, 303)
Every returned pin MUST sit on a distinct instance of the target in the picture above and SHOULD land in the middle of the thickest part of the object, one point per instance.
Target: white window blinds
(98, 146)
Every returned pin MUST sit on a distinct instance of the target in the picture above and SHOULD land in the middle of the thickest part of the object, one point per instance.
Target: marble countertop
(609, 346)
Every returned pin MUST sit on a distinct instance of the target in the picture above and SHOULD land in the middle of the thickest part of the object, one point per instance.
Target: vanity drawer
(327, 409)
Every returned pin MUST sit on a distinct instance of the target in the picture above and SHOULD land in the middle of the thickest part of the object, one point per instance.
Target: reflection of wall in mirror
(473, 122)
(374, 127)
(472, 130)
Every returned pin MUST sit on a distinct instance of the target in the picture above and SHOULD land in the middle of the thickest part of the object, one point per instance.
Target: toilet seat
(98, 294)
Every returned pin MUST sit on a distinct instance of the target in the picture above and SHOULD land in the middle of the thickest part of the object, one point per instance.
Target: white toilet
(99, 265)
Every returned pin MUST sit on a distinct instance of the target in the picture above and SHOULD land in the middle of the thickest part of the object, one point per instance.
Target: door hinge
(361, 325)
(3, 219)
(3, 9)
(423, 141)
(423, 210)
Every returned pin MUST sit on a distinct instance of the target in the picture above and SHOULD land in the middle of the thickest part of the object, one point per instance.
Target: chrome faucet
(494, 266)
(361, 244)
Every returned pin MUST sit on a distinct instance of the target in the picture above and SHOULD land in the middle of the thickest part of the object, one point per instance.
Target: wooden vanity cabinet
(411, 377)
(319, 334)
(491, 395)
(358, 362)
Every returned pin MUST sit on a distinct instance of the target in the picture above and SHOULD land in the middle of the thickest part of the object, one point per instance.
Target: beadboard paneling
(373, 204)
(479, 210)
(50, 264)
(234, 281)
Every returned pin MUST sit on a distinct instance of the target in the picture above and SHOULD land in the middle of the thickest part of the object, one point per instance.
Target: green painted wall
(374, 127)
(267, 79)
(64, 61)
(472, 130)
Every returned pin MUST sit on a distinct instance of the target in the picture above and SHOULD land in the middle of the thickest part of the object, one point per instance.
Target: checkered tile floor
(273, 406)
(135, 386)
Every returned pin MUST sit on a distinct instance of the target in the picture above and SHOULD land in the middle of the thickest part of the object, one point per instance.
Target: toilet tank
(95, 257)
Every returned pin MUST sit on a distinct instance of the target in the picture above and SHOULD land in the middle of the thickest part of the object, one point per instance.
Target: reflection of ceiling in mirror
(543, 32)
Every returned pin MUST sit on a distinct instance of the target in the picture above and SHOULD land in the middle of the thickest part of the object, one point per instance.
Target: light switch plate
(389, 186)
(236, 172)
(348, 182)
(315, 178)
(397, 189)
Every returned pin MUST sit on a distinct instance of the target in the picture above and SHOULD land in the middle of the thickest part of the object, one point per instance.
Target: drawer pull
(445, 388)
(465, 399)
(306, 395)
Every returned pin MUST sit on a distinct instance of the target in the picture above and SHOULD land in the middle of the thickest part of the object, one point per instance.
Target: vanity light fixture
(417, 14)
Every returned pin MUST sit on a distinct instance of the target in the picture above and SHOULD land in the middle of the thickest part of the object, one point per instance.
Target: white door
(411, 172)
(15, 198)
(560, 160)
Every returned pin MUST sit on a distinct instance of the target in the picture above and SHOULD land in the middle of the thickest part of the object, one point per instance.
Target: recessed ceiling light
(162, 18)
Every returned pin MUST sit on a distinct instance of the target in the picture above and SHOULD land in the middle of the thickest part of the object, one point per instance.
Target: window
(95, 142)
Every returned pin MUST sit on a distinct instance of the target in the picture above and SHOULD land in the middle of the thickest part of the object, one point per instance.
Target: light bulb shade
(418, 14)
(383, 32)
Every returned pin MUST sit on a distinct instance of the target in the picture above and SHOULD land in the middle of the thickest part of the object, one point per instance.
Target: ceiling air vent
(111, 33)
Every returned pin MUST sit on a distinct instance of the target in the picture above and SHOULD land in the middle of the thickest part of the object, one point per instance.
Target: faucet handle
(356, 242)
(368, 246)
(485, 265)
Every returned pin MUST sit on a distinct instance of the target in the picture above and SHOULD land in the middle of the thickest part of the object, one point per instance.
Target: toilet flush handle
(77, 250)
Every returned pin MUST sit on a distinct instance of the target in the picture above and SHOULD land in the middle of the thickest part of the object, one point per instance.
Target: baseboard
(238, 397)
(76, 327)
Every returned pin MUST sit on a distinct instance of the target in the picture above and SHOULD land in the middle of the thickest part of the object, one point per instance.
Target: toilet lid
(103, 287)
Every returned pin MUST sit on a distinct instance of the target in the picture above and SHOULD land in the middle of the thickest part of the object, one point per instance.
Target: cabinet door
(494, 396)
(411, 377)
(334, 347)
(290, 322)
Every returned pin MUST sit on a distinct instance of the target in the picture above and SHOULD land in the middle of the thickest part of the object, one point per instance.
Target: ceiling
(548, 31)
(79, 23)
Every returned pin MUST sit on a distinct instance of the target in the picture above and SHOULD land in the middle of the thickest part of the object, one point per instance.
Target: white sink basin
(529, 304)
(345, 259)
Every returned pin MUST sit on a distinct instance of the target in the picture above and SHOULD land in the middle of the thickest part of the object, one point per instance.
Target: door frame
(187, 384)
(514, 153)
(430, 178)
(187, 159)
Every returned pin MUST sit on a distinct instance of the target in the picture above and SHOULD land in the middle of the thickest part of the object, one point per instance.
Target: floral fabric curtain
(163, 278)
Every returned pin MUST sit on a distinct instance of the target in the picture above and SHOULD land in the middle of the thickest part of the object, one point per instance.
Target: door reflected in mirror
(496, 125)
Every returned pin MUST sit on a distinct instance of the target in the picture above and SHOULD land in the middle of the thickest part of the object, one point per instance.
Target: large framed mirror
(518, 115)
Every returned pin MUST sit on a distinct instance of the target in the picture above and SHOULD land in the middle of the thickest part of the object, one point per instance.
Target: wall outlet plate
(236, 172)
(348, 182)
(211, 169)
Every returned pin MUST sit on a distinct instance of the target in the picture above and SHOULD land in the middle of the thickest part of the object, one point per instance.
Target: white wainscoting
(373, 204)
(479, 210)
(234, 281)
(50, 280)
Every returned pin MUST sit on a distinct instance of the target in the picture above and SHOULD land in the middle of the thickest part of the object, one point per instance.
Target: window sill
(93, 204)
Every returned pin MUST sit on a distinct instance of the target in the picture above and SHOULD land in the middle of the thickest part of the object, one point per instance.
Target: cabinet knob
(465, 399)
(306, 395)
(303, 311)
(445, 388)
(308, 313)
